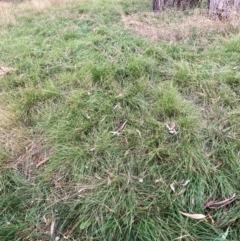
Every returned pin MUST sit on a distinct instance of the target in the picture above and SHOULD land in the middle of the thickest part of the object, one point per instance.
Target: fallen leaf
(42, 162)
(52, 228)
(84, 189)
(211, 219)
(97, 176)
(201, 94)
(117, 132)
(172, 186)
(158, 180)
(193, 215)
(44, 219)
(122, 126)
(186, 182)
(117, 106)
(139, 133)
(171, 129)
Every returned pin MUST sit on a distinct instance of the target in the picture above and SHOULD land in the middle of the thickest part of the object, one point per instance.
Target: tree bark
(221, 9)
(237, 5)
(157, 5)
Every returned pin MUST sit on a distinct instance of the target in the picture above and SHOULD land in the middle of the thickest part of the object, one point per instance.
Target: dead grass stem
(161, 29)
(9, 11)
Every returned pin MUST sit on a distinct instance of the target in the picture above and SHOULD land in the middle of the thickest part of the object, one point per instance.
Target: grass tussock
(109, 135)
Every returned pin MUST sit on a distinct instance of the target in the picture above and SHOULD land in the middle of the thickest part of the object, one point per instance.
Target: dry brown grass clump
(174, 26)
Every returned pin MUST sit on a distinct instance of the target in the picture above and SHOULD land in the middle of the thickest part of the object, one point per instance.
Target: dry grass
(24, 152)
(12, 135)
(33, 157)
(9, 11)
(6, 16)
(166, 27)
(42, 4)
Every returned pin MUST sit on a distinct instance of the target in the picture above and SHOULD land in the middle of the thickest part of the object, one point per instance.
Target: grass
(82, 70)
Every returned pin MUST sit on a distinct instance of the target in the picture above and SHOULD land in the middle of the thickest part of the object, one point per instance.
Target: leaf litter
(199, 216)
(194, 215)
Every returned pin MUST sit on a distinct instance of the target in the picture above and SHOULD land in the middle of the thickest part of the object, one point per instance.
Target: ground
(117, 123)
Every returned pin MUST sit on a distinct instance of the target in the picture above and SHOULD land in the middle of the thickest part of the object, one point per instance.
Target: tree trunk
(182, 4)
(237, 5)
(221, 9)
(157, 5)
(217, 8)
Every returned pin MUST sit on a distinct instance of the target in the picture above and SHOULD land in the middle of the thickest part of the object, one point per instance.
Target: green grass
(80, 74)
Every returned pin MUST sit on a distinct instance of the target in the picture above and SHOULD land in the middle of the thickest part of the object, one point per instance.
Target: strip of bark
(220, 204)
